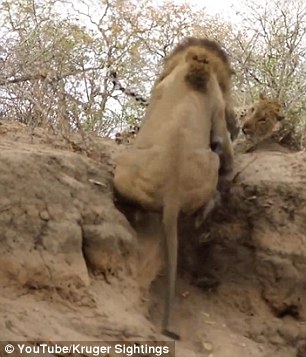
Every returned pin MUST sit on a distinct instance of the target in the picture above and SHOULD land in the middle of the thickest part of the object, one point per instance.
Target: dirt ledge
(71, 262)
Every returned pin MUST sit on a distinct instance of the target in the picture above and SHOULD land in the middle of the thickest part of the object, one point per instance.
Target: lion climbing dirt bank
(186, 113)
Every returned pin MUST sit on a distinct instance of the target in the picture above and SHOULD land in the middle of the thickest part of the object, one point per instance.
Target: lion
(260, 123)
(219, 60)
(222, 68)
(262, 118)
(171, 168)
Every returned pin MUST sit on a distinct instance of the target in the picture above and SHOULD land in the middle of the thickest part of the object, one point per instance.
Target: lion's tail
(199, 70)
(170, 219)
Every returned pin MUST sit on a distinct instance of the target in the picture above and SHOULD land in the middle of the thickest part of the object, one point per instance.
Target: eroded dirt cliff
(74, 268)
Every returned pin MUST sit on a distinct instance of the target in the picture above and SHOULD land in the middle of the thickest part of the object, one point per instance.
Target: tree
(55, 57)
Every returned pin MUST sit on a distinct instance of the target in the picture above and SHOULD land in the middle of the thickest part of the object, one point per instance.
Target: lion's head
(263, 118)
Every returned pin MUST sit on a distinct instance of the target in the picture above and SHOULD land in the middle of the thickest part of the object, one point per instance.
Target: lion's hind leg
(199, 69)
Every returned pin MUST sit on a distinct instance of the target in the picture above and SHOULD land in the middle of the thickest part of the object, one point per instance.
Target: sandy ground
(74, 269)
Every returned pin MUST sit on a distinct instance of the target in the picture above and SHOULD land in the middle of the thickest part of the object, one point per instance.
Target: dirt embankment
(73, 268)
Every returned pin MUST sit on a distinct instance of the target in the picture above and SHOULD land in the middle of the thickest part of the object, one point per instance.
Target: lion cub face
(263, 118)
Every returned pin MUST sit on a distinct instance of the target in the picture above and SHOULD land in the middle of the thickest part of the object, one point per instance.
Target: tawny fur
(219, 60)
(263, 118)
(221, 66)
(171, 167)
